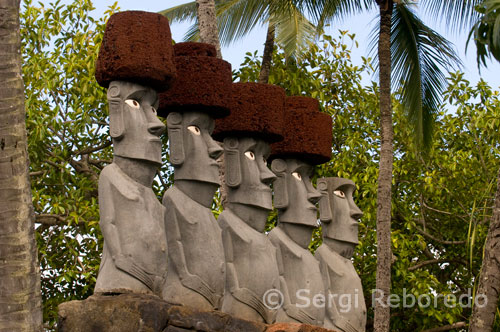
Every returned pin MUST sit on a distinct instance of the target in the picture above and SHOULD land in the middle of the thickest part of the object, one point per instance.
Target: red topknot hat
(136, 47)
(203, 82)
(308, 134)
(257, 110)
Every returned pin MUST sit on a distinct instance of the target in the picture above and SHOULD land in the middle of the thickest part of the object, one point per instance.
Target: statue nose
(356, 213)
(266, 176)
(313, 196)
(214, 150)
(156, 128)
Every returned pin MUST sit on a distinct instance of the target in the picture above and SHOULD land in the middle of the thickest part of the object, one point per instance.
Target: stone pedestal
(148, 313)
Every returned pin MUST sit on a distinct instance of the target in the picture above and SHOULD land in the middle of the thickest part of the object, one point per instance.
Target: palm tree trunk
(483, 313)
(267, 57)
(383, 280)
(207, 22)
(20, 299)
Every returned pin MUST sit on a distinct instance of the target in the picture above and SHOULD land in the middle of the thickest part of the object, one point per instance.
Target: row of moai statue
(178, 250)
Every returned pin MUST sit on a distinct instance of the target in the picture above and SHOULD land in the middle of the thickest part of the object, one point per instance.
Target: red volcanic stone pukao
(257, 110)
(136, 47)
(194, 49)
(203, 82)
(308, 132)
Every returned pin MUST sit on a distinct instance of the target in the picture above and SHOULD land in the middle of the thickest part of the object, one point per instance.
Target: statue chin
(343, 248)
(151, 153)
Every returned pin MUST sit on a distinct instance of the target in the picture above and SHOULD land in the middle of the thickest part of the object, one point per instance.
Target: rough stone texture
(148, 313)
(308, 132)
(203, 82)
(294, 327)
(257, 110)
(194, 49)
(136, 47)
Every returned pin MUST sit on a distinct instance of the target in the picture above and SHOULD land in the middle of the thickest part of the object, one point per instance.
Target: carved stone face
(248, 177)
(342, 227)
(295, 196)
(134, 126)
(193, 152)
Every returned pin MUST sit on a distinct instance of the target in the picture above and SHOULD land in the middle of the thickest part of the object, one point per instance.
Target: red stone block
(257, 110)
(308, 133)
(136, 47)
(203, 82)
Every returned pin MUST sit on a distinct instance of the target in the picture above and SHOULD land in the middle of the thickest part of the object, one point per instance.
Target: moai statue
(201, 93)
(135, 61)
(346, 308)
(308, 136)
(256, 120)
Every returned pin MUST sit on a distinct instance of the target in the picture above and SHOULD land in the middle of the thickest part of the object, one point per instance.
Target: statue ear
(116, 123)
(232, 162)
(278, 166)
(176, 141)
(325, 213)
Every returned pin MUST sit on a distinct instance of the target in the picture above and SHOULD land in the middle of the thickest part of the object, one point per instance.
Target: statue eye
(250, 155)
(133, 103)
(297, 176)
(154, 110)
(195, 130)
(339, 193)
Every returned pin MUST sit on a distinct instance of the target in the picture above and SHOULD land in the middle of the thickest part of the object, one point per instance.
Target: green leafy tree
(68, 144)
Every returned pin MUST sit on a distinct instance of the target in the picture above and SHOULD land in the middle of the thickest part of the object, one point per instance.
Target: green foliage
(66, 122)
(435, 201)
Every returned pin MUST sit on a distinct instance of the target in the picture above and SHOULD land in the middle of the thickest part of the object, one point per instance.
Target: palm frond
(193, 33)
(293, 30)
(325, 12)
(184, 12)
(236, 18)
(487, 32)
(419, 56)
(459, 14)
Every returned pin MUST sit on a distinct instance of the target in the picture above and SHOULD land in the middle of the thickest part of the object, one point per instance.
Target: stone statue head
(193, 152)
(134, 126)
(247, 177)
(256, 120)
(339, 214)
(295, 198)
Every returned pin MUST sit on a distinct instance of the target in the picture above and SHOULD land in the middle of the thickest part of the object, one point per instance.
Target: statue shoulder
(113, 177)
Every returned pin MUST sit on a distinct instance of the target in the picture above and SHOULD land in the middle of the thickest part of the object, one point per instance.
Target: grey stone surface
(300, 276)
(135, 312)
(251, 264)
(196, 266)
(346, 309)
(131, 221)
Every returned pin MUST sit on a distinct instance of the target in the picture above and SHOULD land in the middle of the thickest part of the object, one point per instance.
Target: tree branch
(447, 327)
(435, 261)
(93, 149)
(50, 219)
(424, 233)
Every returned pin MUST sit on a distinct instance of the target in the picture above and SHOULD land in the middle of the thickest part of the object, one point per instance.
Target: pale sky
(361, 25)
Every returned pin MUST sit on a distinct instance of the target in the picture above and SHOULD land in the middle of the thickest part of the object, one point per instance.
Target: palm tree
(487, 38)
(20, 299)
(207, 23)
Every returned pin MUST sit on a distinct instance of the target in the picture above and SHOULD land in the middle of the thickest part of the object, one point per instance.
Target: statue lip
(155, 139)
